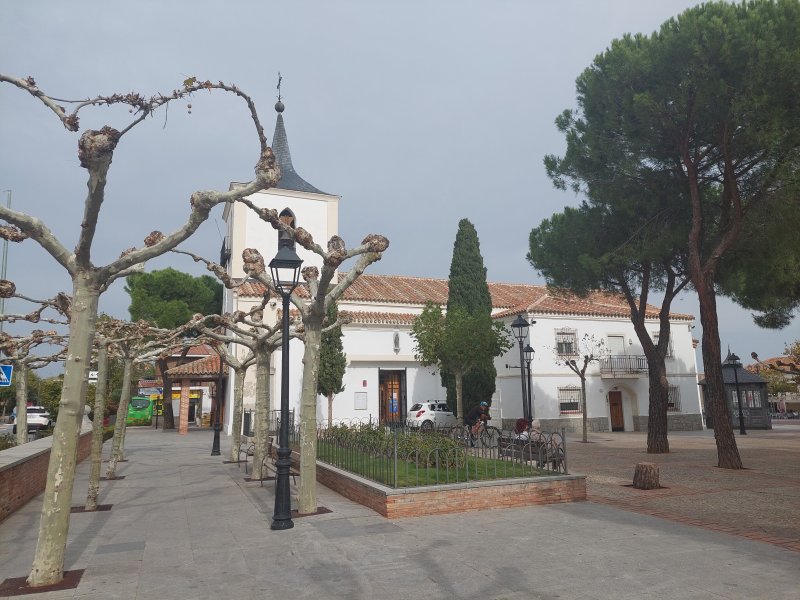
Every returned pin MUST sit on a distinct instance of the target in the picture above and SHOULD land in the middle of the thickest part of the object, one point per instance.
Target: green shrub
(7, 441)
(138, 422)
(108, 432)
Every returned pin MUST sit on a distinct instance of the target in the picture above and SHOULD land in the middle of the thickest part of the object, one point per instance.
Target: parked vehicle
(140, 409)
(38, 418)
(430, 415)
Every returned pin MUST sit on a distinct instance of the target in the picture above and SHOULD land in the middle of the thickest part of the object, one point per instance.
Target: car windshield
(36, 410)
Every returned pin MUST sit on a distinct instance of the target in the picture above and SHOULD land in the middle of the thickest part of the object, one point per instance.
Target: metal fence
(410, 457)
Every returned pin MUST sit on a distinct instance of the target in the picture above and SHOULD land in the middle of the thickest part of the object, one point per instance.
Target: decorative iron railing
(404, 457)
(623, 365)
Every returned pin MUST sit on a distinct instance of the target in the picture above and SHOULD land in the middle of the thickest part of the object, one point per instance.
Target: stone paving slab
(759, 502)
(185, 526)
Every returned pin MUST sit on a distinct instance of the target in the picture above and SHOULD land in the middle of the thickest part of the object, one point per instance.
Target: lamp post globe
(285, 271)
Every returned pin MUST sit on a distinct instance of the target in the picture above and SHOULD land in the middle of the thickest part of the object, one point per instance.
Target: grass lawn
(452, 467)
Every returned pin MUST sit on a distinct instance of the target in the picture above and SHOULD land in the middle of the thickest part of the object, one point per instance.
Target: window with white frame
(674, 399)
(670, 352)
(569, 400)
(750, 399)
(567, 341)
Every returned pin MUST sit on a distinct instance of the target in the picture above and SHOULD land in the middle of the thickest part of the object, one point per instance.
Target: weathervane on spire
(279, 105)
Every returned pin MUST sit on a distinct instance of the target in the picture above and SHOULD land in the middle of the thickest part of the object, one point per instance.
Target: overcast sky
(417, 114)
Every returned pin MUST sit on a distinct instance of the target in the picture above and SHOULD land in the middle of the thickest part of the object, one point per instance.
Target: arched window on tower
(287, 217)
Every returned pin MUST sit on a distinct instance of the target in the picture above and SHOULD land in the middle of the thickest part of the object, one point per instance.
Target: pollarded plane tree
(19, 351)
(322, 288)
(138, 342)
(95, 152)
(261, 339)
(704, 103)
(589, 351)
(248, 330)
(622, 250)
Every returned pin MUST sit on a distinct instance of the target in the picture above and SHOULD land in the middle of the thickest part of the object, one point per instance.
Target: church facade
(383, 379)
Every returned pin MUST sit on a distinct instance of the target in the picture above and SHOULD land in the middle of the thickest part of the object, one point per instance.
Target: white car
(38, 418)
(430, 415)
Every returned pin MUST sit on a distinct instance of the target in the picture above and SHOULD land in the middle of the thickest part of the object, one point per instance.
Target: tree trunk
(262, 408)
(331, 396)
(48, 561)
(238, 407)
(117, 444)
(167, 416)
(657, 442)
(459, 380)
(97, 426)
(645, 477)
(22, 403)
(307, 492)
(584, 416)
(727, 450)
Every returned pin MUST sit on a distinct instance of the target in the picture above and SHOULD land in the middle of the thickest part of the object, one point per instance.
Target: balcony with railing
(623, 366)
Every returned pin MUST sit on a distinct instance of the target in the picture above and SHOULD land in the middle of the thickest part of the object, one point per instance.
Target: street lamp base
(282, 524)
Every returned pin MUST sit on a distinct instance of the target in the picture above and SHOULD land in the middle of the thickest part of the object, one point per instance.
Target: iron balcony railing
(623, 365)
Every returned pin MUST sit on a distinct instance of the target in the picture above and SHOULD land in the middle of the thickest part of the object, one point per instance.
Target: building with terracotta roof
(383, 379)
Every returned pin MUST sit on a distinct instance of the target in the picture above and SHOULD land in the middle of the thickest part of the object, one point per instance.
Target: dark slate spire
(289, 180)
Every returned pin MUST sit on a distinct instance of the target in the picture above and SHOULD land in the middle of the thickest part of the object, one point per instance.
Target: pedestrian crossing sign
(5, 375)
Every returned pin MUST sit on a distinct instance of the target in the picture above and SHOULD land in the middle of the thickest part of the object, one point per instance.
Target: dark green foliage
(332, 359)
(7, 441)
(169, 298)
(762, 273)
(467, 282)
(468, 290)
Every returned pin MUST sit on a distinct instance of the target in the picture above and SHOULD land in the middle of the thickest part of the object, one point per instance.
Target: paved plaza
(183, 525)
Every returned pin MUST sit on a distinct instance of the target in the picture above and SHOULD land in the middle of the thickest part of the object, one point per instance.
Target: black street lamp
(285, 271)
(218, 417)
(733, 363)
(520, 328)
(529, 353)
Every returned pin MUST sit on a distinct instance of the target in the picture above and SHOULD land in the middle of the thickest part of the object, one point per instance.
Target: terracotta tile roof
(199, 350)
(378, 318)
(510, 298)
(203, 367)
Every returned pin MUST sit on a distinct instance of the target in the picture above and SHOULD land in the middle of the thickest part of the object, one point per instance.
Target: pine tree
(469, 291)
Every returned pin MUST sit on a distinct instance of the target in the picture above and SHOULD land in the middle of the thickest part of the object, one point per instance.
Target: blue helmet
(484, 404)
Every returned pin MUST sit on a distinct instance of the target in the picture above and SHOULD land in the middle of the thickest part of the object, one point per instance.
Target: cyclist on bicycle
(477, 416)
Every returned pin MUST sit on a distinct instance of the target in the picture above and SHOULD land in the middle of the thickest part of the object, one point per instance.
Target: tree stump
(646, 476)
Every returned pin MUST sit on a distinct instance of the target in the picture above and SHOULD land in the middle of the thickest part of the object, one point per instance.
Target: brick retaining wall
(23, 471)
(452, 498)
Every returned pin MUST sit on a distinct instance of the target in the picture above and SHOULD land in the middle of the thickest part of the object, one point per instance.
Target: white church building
(383, 379)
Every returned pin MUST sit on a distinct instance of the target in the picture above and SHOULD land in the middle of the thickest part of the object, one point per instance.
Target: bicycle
(487, 434)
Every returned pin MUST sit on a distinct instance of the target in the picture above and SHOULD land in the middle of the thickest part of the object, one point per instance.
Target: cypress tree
(332, 362)
(468, 290)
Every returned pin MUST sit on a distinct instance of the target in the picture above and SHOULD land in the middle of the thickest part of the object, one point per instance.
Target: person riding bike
(477, 416)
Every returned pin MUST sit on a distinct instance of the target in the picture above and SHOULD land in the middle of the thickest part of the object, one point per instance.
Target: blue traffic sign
(6, 371)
